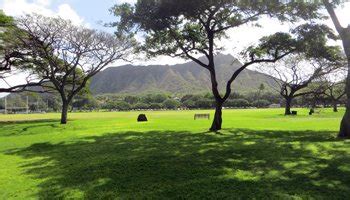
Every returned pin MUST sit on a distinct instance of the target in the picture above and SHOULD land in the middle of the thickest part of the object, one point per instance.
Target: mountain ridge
(185, 78)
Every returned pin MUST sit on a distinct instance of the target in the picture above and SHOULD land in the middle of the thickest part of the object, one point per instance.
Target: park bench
(317, 111)
(201, 116)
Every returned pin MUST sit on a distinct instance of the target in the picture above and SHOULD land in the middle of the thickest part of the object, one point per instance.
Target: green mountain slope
(184, 78)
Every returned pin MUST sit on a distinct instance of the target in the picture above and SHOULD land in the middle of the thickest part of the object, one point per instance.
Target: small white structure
(275, 105)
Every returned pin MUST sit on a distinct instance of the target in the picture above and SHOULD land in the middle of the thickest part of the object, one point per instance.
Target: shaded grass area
(240, 163)
(260, 154)
(24, 127)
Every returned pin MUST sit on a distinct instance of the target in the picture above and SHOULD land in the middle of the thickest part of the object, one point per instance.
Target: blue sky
(92, 10)
(89, 12)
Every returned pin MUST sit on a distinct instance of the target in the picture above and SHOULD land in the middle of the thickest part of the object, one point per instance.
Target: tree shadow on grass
(28, 121)
(25, 126)
(166, 164)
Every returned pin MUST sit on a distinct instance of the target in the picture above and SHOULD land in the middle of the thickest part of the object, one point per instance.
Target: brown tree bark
(344, 33)
(344, 131)
(345, 125)
(335, 107)
(217, 121)
(288, 106)
(64, 113)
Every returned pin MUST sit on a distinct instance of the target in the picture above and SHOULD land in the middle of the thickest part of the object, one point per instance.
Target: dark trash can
(142, 118)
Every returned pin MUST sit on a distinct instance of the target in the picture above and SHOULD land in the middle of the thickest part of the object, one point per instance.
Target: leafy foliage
(237, 103)
(67, 56)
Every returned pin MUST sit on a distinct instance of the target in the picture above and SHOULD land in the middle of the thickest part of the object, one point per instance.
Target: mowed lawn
(260, 154)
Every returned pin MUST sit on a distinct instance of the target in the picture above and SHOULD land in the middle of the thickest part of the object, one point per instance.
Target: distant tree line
(117, 102)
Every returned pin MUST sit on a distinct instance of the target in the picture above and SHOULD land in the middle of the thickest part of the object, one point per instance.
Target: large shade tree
(313, 59)
(64, 54)
(335, 91)
(294, 75)
(191, 28)
(333, 88)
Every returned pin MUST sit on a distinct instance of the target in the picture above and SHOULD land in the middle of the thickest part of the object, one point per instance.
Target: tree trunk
(64, 112)
(313, 104)
(288, 105)
(345, 37)
(217, 121)
(344, 131)
(335, 107)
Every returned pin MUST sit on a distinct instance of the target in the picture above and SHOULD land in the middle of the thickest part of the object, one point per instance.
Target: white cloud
(127, 1)
(20, 7)
(343, 13)
(66, 12)
(241, 37)
(43, 2)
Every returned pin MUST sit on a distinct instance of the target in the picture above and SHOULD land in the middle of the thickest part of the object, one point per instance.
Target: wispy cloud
(43, 7)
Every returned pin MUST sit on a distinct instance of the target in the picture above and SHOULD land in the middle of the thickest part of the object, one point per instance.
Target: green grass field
(260, 154)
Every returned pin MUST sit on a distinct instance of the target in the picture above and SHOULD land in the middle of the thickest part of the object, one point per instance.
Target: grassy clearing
(259, 154)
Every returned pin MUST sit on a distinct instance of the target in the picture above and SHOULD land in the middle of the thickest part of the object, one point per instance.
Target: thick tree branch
(243, 67)
(334, 18)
